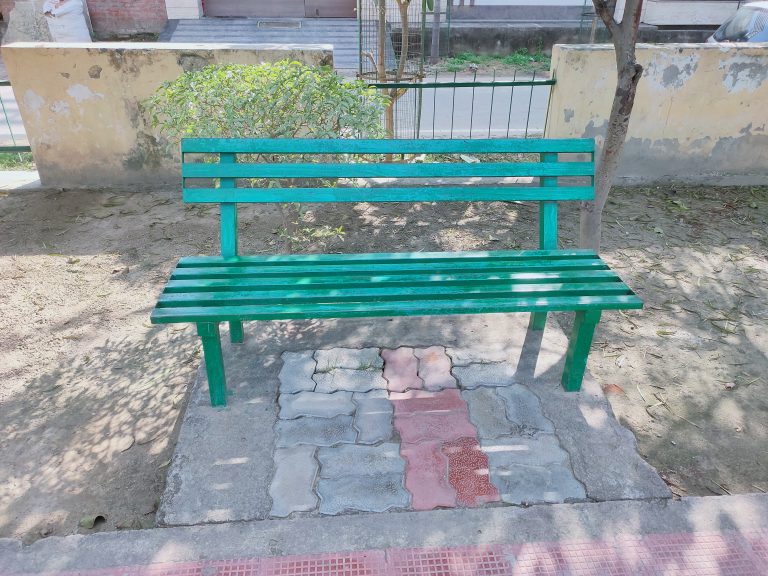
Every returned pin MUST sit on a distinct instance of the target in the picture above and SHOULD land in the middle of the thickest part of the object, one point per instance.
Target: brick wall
(114, 18)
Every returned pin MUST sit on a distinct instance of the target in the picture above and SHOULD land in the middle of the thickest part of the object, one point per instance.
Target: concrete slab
(741, 515)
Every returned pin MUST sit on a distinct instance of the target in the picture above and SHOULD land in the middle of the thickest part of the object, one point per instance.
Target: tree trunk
(434, 53)
(629, 72)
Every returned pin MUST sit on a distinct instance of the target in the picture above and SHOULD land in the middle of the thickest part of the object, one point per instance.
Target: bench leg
(236, 332)
(538, 321)
(578, 348)
(214, 363)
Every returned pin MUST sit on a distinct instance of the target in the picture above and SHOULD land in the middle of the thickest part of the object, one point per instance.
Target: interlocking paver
(434, 426)
(350, 380)
(354, 460)
(487, 412)
(530, 470)
(350, 358)
(419, 401)
(468, 472)
(474, 375)
(401, 370)
(315, 431)
(523, 409)
(296, 373)
(435, 368)
(373, 417)
(292, 486)
(315, 404)
(426, 476)
(362, 493)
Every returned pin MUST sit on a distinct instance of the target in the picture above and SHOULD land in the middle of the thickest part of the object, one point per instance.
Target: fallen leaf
(621, 360)
(73, 260)
(91, 520)
(613, 389)
(469, 159)
(730, 385)
(658, 230)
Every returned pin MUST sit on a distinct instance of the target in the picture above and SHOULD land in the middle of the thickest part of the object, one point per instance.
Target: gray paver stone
(354, 460)
(296, 373)
(373, 418)
(350, 380)
(511, 451)
(534, 484)
(465, 356)
(363, 493)
(524, 409)
(291, 488)
(350, 358)
(315, 431)
(474, 375)
(315, 404)
(487, 413)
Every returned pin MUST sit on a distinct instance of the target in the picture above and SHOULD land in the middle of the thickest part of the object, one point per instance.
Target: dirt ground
(90, 392)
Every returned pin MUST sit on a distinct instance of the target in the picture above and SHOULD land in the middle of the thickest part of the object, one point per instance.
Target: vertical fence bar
(453, 104)
(490, 114)
(434, 106)
(530, 101)
(511, 97)
(472, 108)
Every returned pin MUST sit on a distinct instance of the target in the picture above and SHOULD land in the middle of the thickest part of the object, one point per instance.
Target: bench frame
(228, 171)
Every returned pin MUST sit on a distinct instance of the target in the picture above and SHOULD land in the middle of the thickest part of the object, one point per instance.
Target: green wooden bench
(208, 290)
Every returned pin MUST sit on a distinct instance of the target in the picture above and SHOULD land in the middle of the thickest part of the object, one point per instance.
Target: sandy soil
(90, 392)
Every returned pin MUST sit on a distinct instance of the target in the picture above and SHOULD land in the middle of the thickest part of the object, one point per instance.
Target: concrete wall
(80, 104)
(700, 114)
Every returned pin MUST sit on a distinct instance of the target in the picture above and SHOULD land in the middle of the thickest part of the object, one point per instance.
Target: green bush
(281, 100)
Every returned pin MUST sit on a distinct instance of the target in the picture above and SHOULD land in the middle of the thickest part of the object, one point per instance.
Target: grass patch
(16, 161)
(518, 60)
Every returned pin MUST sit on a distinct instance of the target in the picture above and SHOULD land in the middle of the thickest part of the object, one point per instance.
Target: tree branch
(604, 9)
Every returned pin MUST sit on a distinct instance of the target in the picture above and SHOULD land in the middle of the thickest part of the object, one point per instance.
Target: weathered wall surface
(81, 104)
(700, 115)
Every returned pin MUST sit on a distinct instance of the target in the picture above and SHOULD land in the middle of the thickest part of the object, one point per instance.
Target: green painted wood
(385, 170)
(394, 194)
(548, 210)
(578, 348)
(382, 257)
(297, 295)
(228, 214)
(398, 308)
(537, 321)
(236, 335)
(214, 362)
(351, 146)
(392, 269)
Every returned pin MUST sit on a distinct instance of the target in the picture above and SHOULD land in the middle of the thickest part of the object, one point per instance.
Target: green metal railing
(15, 145)
(496, 108)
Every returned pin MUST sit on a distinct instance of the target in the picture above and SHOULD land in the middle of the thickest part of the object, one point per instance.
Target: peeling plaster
(59, 107)
(33, 102)
(666, 70)
(743, 73)
(568, 113)
(80, 93)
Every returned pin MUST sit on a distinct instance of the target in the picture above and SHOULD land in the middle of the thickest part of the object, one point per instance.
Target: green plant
(16, 161)
(281, 100)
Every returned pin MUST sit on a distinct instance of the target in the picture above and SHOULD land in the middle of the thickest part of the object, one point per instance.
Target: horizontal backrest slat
(351, 146)
(399, 194)
(388, 170)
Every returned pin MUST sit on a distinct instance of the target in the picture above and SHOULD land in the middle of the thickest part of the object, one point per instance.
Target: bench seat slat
(394, 308)
(378, 257)
(394, 269)
(362, 281)
(384, 293)
(351, 146)
(379, 170)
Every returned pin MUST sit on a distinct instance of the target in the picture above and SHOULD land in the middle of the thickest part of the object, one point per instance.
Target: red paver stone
(426, 476)
(435, 368)
(400, 370)
(421, 401)
(370, 563)
(468, 472)
(445, 426)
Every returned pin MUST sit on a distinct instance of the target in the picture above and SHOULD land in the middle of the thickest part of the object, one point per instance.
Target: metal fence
(12, 135)
(465, 107)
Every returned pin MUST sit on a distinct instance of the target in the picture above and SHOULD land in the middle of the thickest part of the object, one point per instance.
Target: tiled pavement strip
(701, 554)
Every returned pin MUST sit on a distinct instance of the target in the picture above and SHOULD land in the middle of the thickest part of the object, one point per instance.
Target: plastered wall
(80, 104)
(700, 115)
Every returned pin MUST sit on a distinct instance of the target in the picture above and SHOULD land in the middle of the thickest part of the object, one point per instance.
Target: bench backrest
(233, 175)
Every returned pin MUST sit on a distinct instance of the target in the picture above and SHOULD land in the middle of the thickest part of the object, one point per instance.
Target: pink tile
(421, 401)
(435, 368)
(447, 425)
(426, 476)
(468, 472)
(400, 370)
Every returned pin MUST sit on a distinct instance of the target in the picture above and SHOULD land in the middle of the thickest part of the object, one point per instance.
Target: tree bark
(628, 73)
